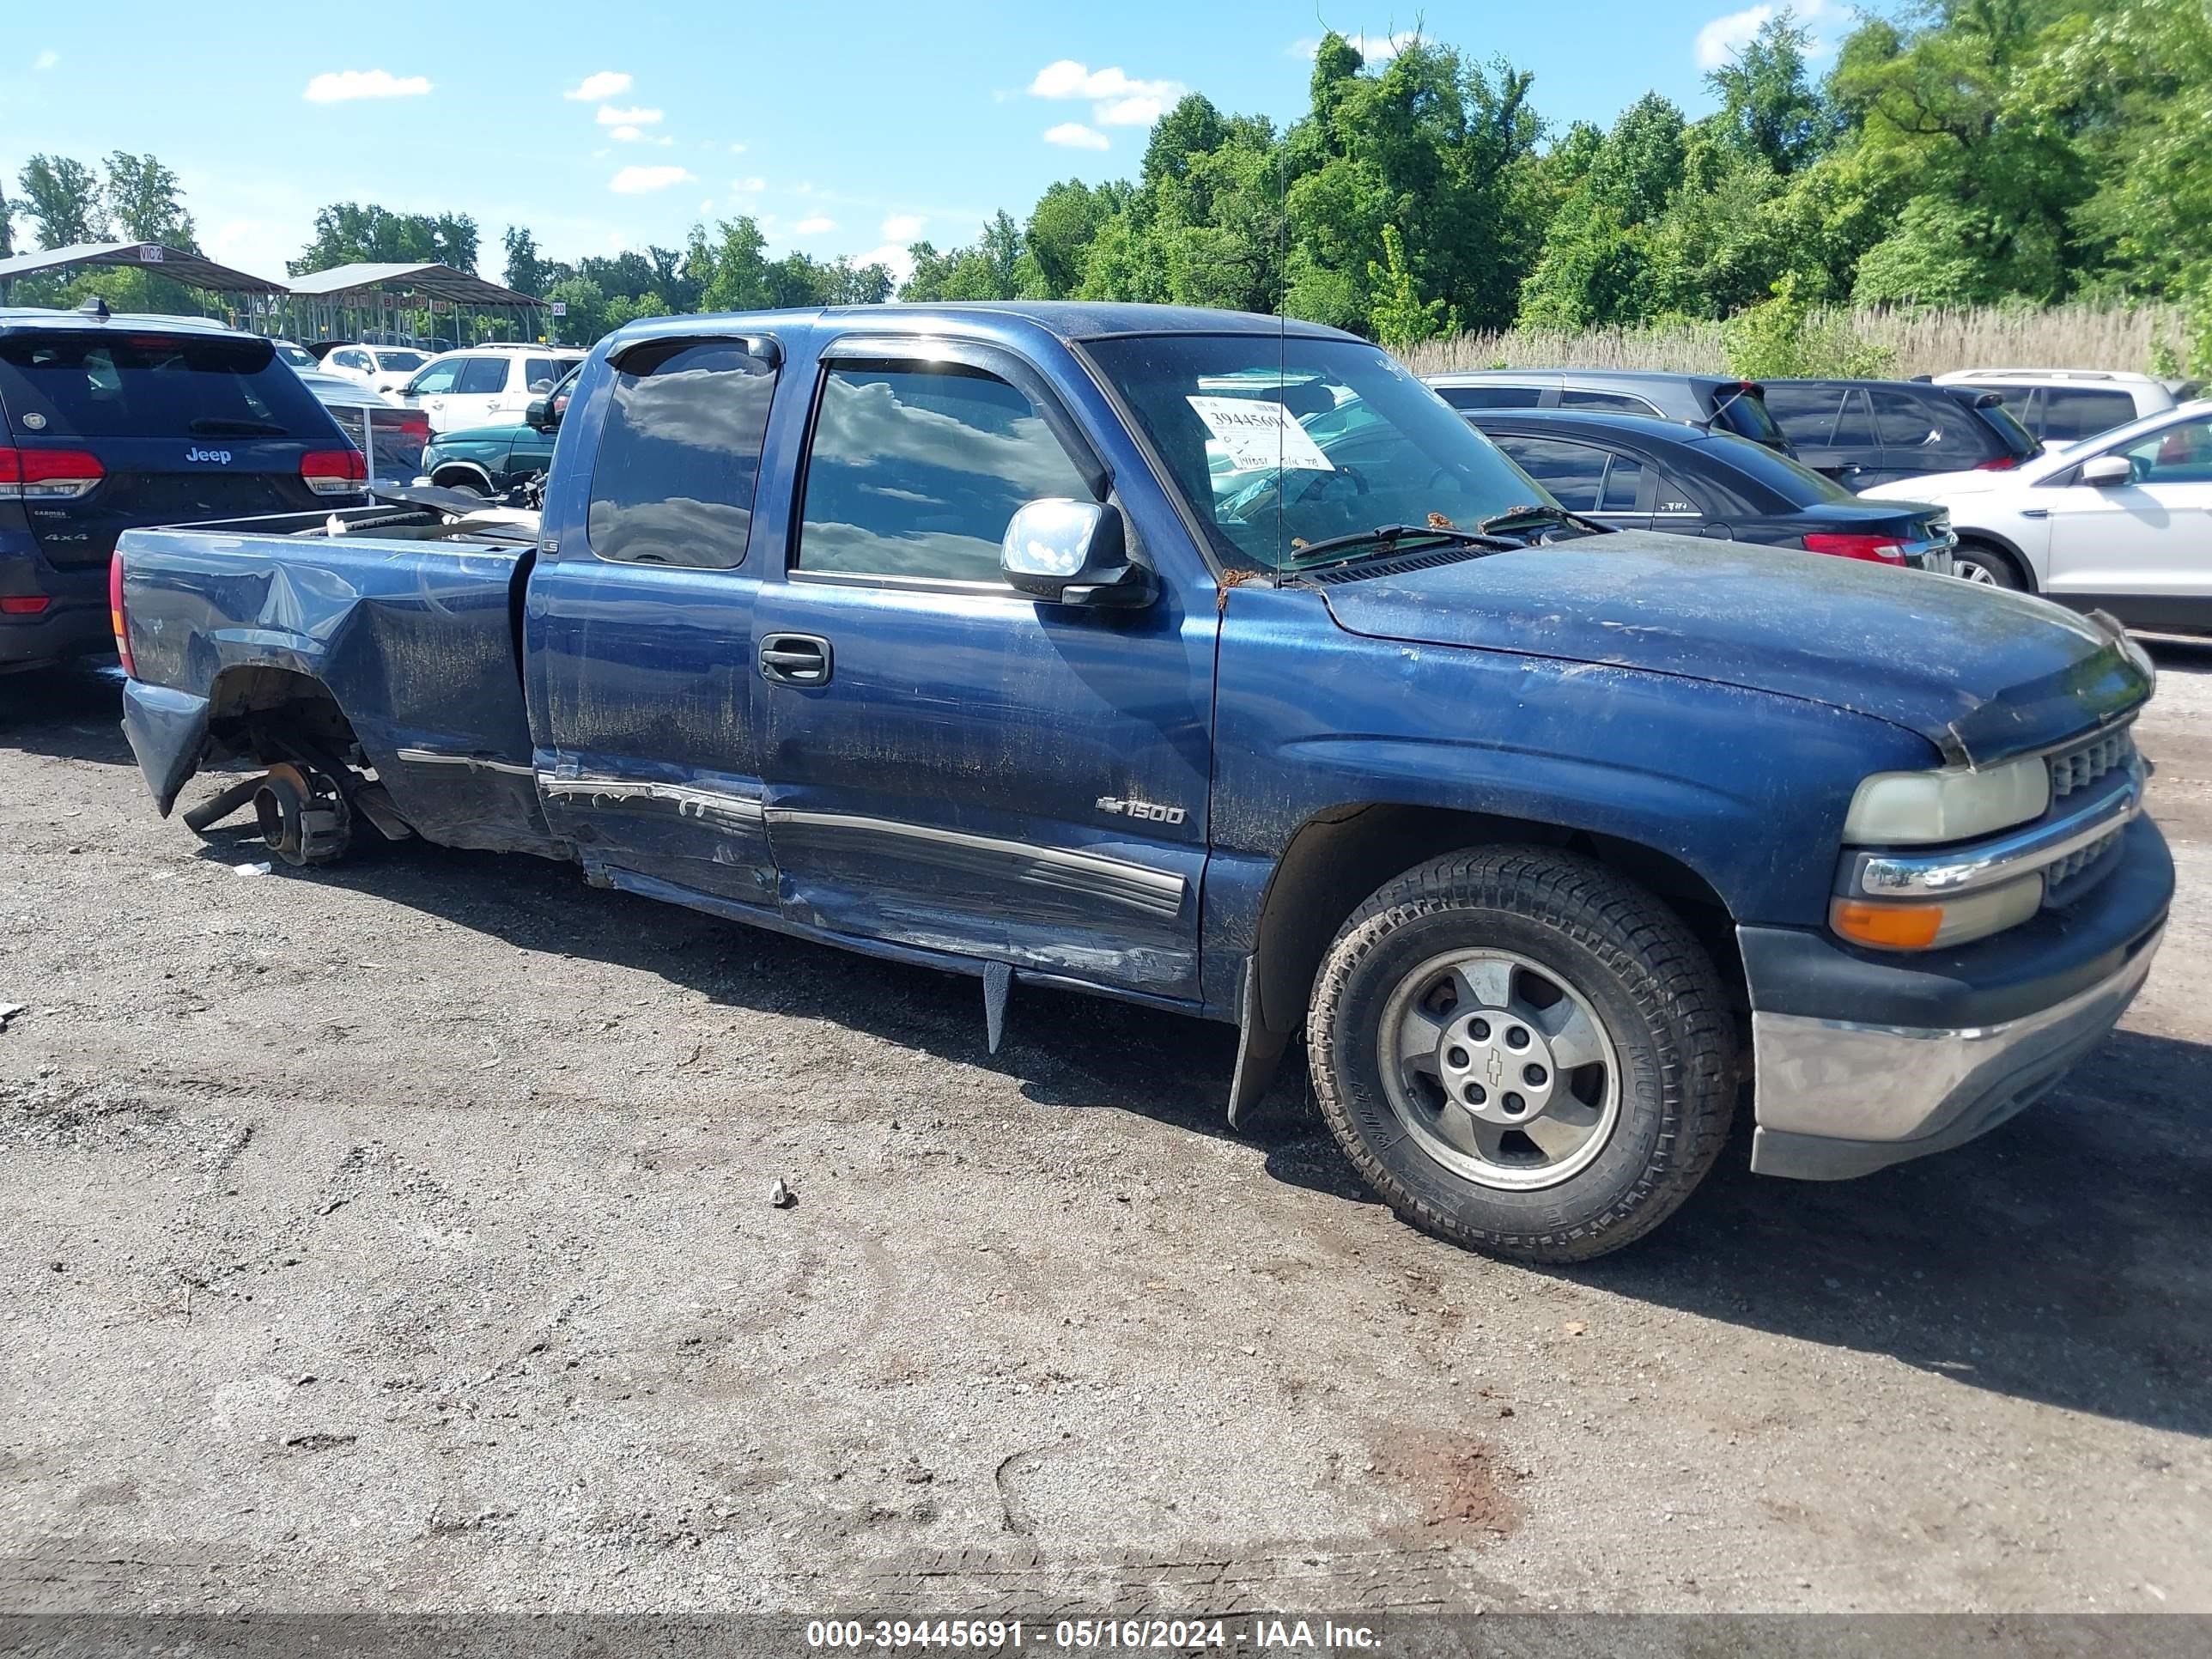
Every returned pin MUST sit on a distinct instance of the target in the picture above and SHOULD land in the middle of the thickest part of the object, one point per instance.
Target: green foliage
(1400, 318)
(526, 273)
(62, 197)
(348, 233)
(1782, 338)
(145, 201)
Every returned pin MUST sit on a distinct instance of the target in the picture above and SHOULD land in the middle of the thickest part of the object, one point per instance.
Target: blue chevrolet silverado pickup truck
(1214, 662)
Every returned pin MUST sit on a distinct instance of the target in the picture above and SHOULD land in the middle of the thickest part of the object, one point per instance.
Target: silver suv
(2064, 405)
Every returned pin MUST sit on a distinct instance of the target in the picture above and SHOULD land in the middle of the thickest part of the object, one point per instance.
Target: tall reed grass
(2082, 336)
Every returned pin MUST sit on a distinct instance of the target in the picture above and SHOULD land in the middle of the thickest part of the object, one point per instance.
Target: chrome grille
(2062, 881)
(2077, 769)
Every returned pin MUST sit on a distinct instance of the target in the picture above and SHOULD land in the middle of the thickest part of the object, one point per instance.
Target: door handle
(795, 659)
(2035, 513)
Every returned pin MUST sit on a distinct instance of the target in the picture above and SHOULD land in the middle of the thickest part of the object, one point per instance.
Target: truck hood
(1981, 673)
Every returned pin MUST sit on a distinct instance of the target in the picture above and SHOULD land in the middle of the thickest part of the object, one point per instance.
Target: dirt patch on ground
(1462, 1488)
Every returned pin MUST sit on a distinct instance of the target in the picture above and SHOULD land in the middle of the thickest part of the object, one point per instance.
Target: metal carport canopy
(429, 281)
(192, 269)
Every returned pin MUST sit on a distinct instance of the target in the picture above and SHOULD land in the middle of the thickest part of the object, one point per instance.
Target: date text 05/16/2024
(1155, 1635)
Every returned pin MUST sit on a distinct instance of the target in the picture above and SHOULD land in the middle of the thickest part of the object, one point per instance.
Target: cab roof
(47, 320)
(1067, 319)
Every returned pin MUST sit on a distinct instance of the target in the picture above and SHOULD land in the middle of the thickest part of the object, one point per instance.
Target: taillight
(116, 618)
(48, 475)
(412, 425)
(1879, 549)
(334, 472)
(2002, 463)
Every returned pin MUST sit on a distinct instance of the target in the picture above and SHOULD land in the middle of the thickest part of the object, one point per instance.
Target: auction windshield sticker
(1259, 433)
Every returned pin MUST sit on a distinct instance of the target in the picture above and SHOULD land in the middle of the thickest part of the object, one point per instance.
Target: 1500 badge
(1151, 812)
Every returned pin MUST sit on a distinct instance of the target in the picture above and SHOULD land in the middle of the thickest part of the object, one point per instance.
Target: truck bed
(411, 628)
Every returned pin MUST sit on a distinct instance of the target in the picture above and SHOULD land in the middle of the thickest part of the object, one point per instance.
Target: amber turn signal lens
(1887, 927)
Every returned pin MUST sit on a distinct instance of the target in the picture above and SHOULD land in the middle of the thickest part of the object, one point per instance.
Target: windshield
(298, 356)
(1281, 444)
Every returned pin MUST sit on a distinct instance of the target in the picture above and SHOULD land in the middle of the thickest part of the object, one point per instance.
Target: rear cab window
(83, 384)
(679, 457)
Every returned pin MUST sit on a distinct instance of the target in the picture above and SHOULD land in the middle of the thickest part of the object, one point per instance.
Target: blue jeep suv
(112, 421)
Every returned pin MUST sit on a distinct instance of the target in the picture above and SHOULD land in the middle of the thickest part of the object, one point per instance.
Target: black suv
(1712, 401)
(1863, 433)
(108, 422)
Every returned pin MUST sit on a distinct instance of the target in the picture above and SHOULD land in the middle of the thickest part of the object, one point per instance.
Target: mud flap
(997, 977)
(1259, 1050)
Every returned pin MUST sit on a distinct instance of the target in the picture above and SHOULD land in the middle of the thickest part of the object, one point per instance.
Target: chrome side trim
(1891, 1083)
(474, 763)
(1967, 870)
(1139, 885)
(690, 801)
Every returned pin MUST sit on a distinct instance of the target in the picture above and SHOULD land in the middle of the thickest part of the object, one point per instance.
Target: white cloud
(752, 186)
(737, 149)
(707, 206)
(1374, 48)
(47, 60)
(611, 116)
(892, 256)
(342, 85)
(1073, 135)
(1722, 39)
(904, 228)
(637, 181)
(636, 135)
(815, 226)
(1117, 100)
(607, 83)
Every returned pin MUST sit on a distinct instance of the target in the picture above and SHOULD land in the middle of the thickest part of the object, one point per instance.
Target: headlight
(1909, 808)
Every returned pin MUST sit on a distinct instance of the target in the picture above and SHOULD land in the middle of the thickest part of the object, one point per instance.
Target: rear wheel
(1985, 567)
(1523, 1053)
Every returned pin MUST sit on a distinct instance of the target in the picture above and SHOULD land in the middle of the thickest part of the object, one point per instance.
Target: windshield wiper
(1530, 514)
(238, 428)
(1385, 539)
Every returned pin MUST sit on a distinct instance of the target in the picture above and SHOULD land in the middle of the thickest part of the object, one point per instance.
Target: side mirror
(1069, 552)
(2106, 472)
(541, 415)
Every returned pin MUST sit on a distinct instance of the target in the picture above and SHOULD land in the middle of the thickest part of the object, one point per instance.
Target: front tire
(1523, 1053)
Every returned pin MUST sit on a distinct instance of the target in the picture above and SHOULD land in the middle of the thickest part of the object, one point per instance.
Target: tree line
(1971, 152)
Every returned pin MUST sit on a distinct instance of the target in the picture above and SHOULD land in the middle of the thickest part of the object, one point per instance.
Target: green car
(490, 460)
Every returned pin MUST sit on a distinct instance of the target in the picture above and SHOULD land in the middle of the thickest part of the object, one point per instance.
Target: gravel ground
(398, 1237)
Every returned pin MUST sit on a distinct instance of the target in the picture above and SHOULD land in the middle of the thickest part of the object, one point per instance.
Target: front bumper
(1865, 1059)
(1839, 1100)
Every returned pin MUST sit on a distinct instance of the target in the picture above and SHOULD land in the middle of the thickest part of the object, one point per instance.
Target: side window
(2072, 413)
(680, 455)
(1806, 414)
(439, 377)
(1614, 400)
(539, 373)
(1667, 496)
(1855, 425)
(1573, 472)
(2181, 453)
(1936, 427)
(1623, 479)
(480, 375)
(1490, 397)
(916, 471)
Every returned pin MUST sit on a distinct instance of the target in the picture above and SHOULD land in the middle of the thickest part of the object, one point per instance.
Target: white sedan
(2120, 522)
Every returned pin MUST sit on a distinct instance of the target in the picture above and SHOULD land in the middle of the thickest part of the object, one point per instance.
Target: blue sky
(847, 130)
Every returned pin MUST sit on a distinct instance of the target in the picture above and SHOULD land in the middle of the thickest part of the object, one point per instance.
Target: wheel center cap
(1497, 1066)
